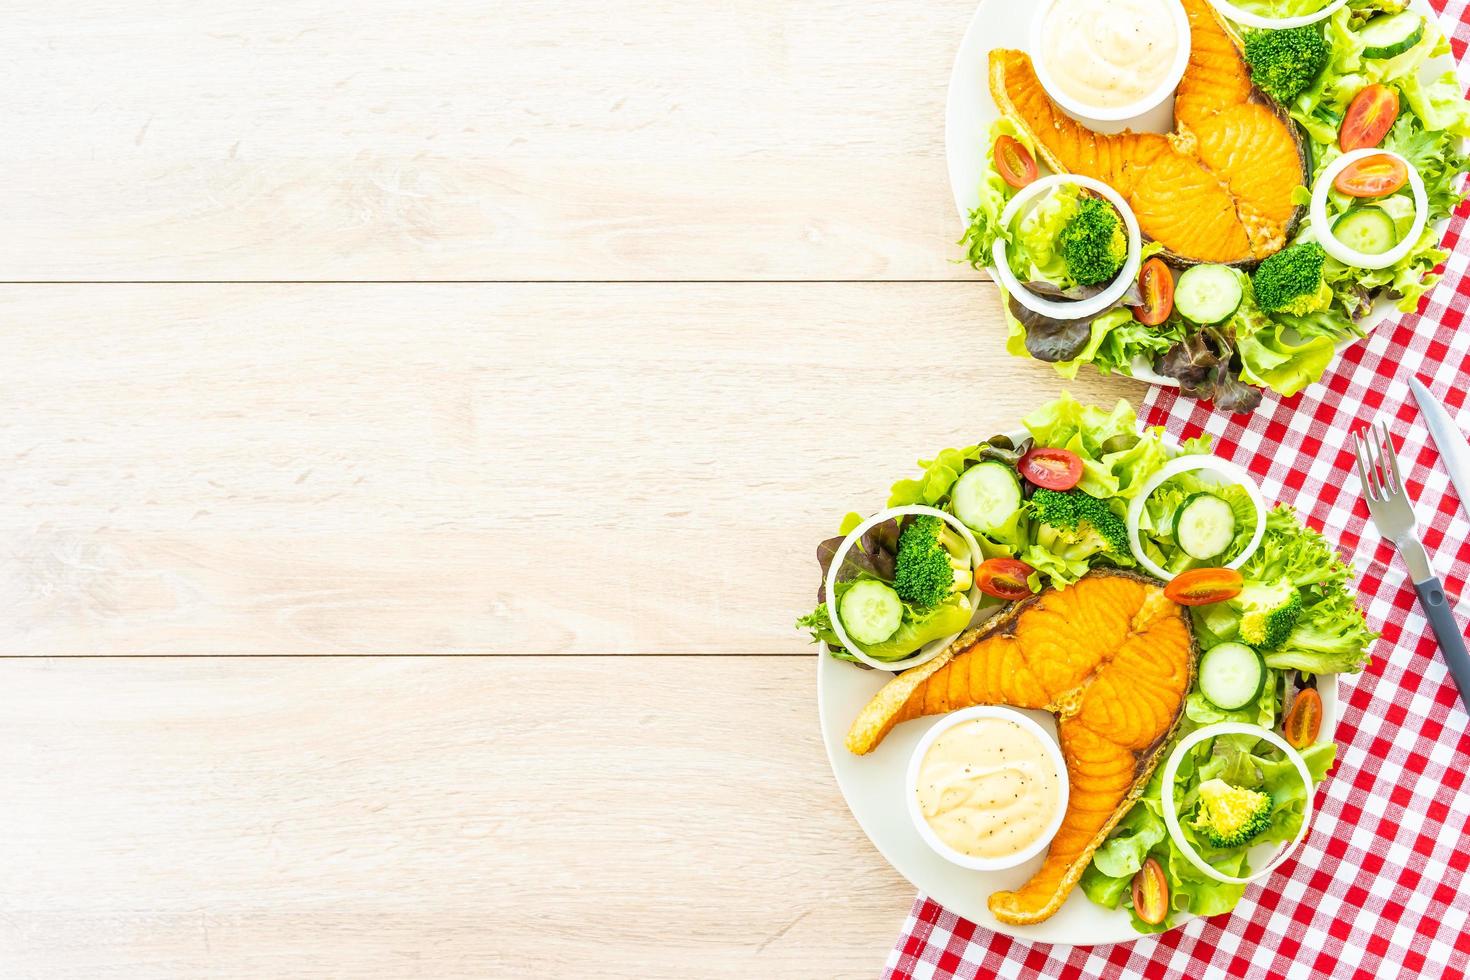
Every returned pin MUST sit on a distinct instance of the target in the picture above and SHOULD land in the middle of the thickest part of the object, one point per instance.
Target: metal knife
(1453, 448)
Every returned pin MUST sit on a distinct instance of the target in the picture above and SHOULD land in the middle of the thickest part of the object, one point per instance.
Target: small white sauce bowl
(1245, 17)
(1104, 114)
(1333, 245)
(1065, 309)
(911, 786)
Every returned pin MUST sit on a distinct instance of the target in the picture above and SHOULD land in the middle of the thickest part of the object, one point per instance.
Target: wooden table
(418, 424)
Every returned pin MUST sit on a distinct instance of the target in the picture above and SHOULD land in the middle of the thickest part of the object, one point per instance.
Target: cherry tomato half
(1151, 893)
(1202, 586)
(1304, 720)
(1369, 117)
(1372, 176)
(1156, 283)
(1014, 162)
(1004, 578)
(1055, 469)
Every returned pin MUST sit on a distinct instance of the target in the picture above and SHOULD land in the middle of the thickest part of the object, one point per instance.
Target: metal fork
(1393, 515)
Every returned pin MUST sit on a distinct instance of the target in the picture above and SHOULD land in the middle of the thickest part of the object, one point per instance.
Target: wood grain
(467, 469)
(563, 461)
(551, 141)
(429, 817)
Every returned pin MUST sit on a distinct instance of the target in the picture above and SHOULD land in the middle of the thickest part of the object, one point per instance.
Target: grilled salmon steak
(1111, 657)
(1218, 188)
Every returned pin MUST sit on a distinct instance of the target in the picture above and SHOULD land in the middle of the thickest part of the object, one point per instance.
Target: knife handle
(1451, 641)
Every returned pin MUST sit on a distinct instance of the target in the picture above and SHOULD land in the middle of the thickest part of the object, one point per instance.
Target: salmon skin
(1112, 657)
(1218, 188)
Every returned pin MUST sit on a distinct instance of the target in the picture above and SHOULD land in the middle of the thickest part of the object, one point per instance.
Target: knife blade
(1454, 450)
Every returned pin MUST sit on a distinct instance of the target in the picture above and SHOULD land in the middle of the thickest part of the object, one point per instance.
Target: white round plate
(873, 786)
(969, 112)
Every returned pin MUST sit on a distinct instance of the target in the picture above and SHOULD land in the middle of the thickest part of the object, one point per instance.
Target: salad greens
(1295, 611)
(1434, 119)
(1159, 524)
(934, 488)
(1282, 8)
(1329, 635)
(883, 555)
(1116, 459)
(1286, 330)
(918, 627)
(1068, 239)
(1035, 251)
(1240, 761)
(985, 225)
(1068, 245)
(1436, 104)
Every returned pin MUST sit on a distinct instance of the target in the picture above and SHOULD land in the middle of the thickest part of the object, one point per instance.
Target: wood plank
(571, 140)
(484, 469)
(347, 818)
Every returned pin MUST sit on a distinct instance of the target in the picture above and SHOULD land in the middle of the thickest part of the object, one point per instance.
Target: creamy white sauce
(1109, 53)
(988, 787)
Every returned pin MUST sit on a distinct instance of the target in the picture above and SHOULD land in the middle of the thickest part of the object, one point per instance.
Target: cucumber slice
(986, 496)
(871, 612)
(1388, 36)
(1232, 675)
(1367, 228)
(1208, 293)
(1204, 526)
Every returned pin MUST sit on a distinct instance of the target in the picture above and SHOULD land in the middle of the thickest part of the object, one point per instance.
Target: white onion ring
(1171, 818)
(1184, 464)
(1249, 19)
(1351, 256)
(929, 650)
(1074, 309)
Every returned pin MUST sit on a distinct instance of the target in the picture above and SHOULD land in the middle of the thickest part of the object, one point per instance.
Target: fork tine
(1379, 466)
(1365, 466)
(1393, 458)
(1375, 467)
(1375, 461)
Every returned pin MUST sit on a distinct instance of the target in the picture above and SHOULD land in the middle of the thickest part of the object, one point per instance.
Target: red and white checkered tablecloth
(1380, 886)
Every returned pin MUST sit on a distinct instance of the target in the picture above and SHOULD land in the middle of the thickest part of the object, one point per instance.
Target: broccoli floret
(1331, 637)
(1229, 816)
(1291, 281)
(1093, 244)
(1284, 63)
(1076, 525)
(933, 562)
(1269, 612)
